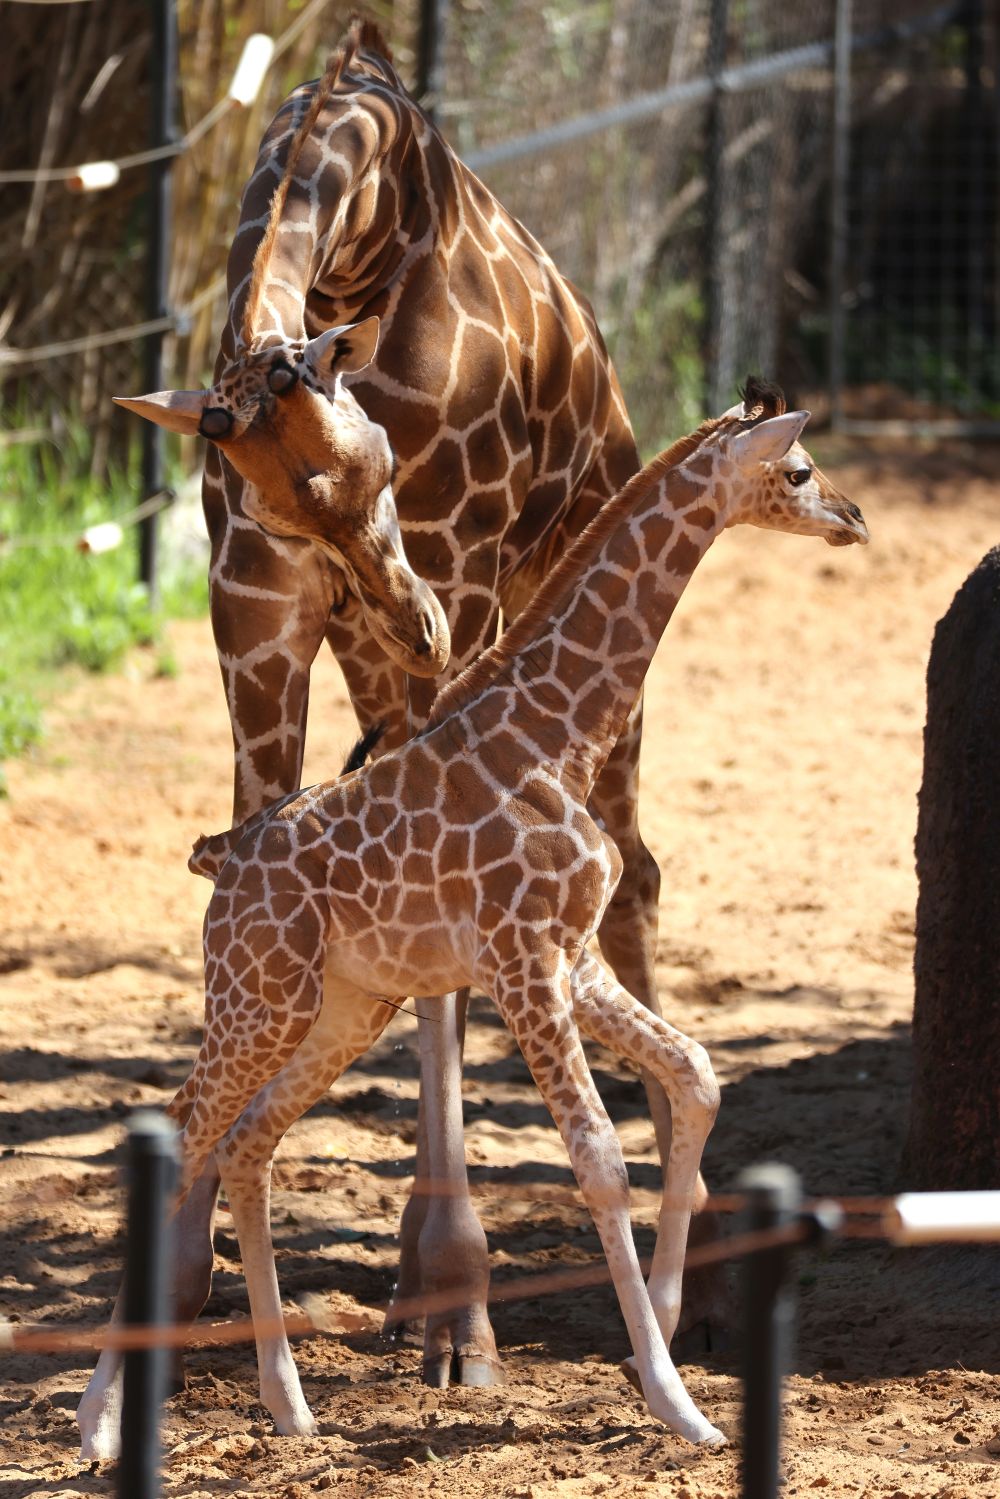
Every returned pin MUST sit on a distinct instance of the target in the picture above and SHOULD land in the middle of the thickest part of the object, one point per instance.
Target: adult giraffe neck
(341, 226)
(577, 657)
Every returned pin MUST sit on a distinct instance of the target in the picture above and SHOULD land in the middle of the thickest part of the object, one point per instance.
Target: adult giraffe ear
(340, 350)
(177, 410)
(769, 440)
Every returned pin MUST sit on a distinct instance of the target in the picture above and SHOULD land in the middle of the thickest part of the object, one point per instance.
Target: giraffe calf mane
(476, 677)
(362, 35)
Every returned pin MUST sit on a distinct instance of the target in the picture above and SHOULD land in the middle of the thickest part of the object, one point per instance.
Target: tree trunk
(954, 1139)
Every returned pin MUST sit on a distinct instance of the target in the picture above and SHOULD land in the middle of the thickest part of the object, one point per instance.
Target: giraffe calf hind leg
(560, 1070)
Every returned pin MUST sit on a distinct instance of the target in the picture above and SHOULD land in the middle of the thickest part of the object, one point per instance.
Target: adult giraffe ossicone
(468, 856)
(510, 433)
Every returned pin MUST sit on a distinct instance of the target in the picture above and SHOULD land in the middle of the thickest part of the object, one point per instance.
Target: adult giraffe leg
(446, 1254)
(349, 1023)
(442, 1246)
(627, 937)
(540, 1013)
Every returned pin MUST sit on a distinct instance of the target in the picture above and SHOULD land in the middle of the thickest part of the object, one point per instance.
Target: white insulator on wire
(944, 1217)
(255, 59)
(102, 538)
(94, 176)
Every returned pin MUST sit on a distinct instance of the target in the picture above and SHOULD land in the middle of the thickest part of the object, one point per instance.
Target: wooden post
(954, 1136)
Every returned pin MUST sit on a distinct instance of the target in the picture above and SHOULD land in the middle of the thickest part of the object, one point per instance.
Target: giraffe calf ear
(768, 440)
(177, 410)
(340, 350)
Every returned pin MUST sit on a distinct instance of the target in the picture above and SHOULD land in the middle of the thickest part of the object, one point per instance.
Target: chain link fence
(806, 190)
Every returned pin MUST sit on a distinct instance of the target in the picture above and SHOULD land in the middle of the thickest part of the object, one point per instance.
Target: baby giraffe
(467, 856)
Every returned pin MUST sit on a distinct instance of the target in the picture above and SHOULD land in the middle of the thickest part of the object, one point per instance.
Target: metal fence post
(839, 204)
(430, 83)
(151, 1178)
(715, 259)
(774, 1199)
(163, 89)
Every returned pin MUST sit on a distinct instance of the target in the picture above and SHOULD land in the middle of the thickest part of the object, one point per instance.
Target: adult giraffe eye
(798, 476)
(281, 378)
(216, 422)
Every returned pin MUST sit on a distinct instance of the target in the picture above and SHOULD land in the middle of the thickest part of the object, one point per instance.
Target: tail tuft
(359, 754)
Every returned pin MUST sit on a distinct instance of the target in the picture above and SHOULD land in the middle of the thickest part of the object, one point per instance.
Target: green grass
(60, 607)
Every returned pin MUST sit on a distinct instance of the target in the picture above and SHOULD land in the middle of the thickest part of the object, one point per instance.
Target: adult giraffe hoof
(473, 1370)
(699, 1340)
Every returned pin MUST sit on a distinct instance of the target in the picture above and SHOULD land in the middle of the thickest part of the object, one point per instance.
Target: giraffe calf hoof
(403, 1333)
(631, 1374)
(176, 1377)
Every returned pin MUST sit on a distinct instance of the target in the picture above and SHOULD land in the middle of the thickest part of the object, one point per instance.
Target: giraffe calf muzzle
(853, 528)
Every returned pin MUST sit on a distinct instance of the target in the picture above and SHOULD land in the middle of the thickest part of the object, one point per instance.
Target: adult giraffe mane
(557, 585)
(363, 35)
(761, 400)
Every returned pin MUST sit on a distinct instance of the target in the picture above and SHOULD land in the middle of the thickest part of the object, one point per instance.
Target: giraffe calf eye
(281, 378)
(215, 422)
(798, 476)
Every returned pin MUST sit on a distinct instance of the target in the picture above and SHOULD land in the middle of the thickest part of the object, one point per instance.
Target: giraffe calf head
(775, 482)
(316, 467)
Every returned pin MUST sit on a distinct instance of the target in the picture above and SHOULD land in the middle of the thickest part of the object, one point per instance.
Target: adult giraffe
(509, 431)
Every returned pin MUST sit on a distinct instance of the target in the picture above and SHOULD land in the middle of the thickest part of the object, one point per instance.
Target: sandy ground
(780, 774)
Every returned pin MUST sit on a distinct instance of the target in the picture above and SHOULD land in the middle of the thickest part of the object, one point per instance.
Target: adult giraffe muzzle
(319, 469)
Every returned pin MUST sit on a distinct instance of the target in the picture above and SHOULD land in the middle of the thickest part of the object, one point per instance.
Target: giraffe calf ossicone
(467, 857)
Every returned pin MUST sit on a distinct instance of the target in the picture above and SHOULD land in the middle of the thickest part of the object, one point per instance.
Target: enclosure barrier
(777, 1220)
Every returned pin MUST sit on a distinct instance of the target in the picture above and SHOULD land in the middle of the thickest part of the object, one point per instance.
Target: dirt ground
(781, 768)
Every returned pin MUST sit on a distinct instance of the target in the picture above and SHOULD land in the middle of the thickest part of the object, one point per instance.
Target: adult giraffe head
(316, 466)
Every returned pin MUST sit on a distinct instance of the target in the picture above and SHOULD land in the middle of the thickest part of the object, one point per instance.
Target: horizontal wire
(315, 1317)
(172, 148)
(167, 324)
(11, 357)
(40, 540)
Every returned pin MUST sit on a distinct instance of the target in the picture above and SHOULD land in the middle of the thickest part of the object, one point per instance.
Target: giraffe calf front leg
(349, 1022)
(248, 1189)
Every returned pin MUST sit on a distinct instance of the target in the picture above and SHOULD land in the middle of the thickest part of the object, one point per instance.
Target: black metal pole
(715, 257)
(151, 1178)
(430, 57)
(774, 1200)
(839, 205)
(163, 88)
